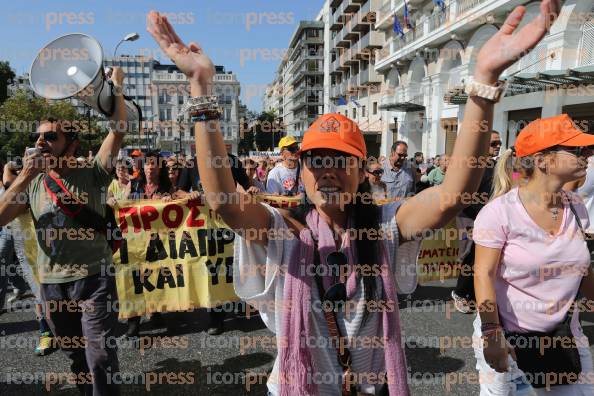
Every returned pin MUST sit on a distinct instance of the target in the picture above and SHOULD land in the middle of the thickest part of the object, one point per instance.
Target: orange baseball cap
(545, 133)
(335, 132)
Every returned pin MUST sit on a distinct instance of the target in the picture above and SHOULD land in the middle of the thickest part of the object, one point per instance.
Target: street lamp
(129, 37)
(394, 134)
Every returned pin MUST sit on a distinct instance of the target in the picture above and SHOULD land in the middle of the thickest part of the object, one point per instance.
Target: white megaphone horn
(72, 66)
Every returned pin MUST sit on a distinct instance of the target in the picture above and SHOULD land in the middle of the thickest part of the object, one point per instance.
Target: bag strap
(75, 209)
(342, 353)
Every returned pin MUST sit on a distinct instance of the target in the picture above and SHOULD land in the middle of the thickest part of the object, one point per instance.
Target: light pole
(129, 37)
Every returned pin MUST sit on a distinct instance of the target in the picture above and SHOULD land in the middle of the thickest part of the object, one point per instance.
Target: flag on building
(355, 101)
(406, 16)
(441, 4)
(341, 101)
(397, 27)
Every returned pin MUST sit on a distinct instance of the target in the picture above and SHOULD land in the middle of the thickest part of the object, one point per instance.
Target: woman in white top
(284, 259)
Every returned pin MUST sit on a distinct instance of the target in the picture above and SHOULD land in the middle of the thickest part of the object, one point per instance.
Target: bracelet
(490, 332)
(205, 116)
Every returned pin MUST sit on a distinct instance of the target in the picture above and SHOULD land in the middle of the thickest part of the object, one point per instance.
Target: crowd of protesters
(530, 216)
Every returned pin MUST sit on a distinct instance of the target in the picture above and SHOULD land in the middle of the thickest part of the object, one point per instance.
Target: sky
(246, 36)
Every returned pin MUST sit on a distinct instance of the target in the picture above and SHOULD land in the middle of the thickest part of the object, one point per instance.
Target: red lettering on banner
(133, 212)
(193, 220)
(179, 216)
(148, 214)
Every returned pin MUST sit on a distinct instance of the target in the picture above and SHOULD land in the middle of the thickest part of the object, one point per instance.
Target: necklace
(555, 213)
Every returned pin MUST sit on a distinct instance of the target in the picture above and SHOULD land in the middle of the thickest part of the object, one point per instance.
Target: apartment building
(426, 67)
(297, 93)
(355, 85)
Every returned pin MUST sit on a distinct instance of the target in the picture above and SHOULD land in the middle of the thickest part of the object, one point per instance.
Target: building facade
(427, 66)
(354, 83)
(297, 94)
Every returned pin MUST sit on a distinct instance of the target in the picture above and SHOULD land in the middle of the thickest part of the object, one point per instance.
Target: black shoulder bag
(549, 354)
(83, 214)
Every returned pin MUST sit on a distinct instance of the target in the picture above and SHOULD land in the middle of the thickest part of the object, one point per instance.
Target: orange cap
(335, 132)
(549, 132)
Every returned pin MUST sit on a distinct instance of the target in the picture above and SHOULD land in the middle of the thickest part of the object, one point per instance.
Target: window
(363, 111)
(168, 114)
(180, 99)
(162, 114)
(374, 108)
(228, 114)
(354, 113)
(170, 132)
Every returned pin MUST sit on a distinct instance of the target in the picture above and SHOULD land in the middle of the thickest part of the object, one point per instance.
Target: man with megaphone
(67, 199)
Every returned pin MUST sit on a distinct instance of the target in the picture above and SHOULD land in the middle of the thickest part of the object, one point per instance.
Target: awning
(524, 83)
(402, 106)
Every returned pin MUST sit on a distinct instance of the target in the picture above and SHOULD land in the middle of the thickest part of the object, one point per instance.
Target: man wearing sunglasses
(398, 174)
(284, 179)
(74, 261)
(379, 190)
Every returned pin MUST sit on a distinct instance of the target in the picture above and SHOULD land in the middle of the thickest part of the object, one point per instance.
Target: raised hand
(507, 46)
(190, 59)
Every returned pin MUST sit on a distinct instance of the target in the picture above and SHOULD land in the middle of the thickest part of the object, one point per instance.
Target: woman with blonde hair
(303, 268)
(531, 262)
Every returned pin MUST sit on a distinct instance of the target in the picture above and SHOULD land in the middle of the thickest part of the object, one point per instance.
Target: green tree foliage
(6, 78)
(267, 133)
(20, 116)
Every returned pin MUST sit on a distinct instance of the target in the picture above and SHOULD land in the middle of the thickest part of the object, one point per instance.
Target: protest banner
(175, 256)
(438, 256)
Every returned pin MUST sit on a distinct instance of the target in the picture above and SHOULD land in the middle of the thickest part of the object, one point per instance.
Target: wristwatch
(489, 92)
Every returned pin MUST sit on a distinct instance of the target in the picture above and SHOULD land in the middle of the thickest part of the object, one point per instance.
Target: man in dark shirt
(463, 294)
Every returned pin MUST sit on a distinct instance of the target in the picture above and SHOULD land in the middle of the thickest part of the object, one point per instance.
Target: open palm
(190, 59)
(505, 47)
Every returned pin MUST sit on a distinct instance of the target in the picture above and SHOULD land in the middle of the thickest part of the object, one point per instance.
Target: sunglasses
(337, 292)
(50, 136)
(292, 148)
(496, 143)
(579, 151)
(377, 172)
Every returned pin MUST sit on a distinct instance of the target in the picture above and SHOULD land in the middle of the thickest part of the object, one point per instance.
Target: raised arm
(239, 211)
(113, 141)
(13, 202)
(434, 207)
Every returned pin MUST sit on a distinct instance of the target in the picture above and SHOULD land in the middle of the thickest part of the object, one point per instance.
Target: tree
(6, 78)
(267, 133)
(20, 116)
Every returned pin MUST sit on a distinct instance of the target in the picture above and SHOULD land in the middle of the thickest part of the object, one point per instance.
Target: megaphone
(72, 66)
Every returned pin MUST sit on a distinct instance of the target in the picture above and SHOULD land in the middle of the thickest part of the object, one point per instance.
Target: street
(190, 362)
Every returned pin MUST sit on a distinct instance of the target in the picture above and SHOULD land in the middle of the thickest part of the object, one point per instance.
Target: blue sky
(246, 36)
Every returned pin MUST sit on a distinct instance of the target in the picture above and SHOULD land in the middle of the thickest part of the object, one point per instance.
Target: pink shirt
(539, 273)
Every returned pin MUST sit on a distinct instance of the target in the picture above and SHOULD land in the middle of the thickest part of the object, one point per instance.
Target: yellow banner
(438, 256)
(175, 256)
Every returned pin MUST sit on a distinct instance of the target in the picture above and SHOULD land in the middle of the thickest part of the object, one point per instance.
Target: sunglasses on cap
(50, 136)
(579, 151)
(496, 143)
(292, 148)
(377, 172)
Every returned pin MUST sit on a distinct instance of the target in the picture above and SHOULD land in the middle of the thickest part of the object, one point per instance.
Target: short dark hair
(418, 154)
(398, 143)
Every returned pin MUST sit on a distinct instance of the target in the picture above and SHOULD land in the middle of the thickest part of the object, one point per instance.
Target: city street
(219, 367)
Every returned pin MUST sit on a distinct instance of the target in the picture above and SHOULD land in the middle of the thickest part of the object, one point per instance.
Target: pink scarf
(296, 363)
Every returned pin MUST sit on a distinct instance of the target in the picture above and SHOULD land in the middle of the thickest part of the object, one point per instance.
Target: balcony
(372, 39)
(340, 40)
(351, 6)
(334, 3)
(386, 13)
(353, 84)
(369, 76)
(365, 18)
(337, 21)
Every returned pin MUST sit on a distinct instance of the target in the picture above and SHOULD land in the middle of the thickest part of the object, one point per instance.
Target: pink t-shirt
(539, 274)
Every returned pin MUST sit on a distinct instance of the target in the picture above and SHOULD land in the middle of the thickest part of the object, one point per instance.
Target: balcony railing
(426, 25)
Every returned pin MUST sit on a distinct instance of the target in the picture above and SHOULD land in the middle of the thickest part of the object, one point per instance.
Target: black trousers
(465, 285)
